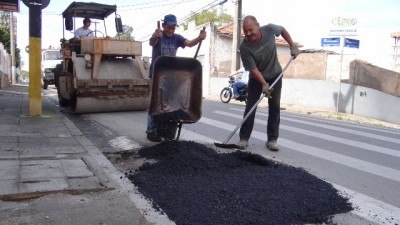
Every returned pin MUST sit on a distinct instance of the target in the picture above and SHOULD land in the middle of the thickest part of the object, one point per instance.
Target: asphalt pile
(193, 184)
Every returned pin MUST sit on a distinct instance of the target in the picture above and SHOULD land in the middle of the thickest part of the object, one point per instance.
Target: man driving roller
(84, 31)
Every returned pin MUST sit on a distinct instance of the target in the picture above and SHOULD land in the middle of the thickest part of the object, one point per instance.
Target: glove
(266, 90)
(294, 51)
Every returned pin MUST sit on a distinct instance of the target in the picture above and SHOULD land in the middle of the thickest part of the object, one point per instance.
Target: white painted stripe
(344, 141)
(361, 165)
(124, 143)
(351, 131)
(343, 123)
(370, 208)
(192, 136)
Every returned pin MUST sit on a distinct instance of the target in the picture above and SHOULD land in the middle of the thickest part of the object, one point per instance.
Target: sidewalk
(48, 156)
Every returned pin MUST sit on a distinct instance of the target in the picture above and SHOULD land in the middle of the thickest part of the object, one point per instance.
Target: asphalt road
(361, 161)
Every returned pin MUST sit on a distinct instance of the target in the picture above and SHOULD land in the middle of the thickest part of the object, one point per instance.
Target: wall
(367, 75)
(5, 67)
(323, 95)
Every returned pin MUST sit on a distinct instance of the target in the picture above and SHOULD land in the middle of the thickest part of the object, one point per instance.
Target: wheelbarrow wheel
(226, 95)
(167, 130)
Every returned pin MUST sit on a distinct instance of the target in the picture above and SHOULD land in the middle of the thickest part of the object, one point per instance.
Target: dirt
(193, 184)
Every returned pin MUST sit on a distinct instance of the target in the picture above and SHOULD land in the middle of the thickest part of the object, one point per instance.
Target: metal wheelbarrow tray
(177, 90)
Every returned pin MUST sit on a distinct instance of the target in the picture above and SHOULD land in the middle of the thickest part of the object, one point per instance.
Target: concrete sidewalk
(48, 157)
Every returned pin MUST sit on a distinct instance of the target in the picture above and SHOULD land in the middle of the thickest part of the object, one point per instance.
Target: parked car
(50, 58)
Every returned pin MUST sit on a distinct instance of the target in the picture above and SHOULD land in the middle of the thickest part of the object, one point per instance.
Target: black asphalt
(193, 184)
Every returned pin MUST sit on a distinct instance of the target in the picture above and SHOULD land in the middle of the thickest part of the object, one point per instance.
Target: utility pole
(236, 36)
(35, 48)
(12, 49)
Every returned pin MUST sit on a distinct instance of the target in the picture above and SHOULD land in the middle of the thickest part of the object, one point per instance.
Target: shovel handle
(198, 47)
(258, 101)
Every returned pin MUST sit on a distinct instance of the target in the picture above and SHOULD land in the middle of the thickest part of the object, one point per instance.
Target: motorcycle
(227, 92)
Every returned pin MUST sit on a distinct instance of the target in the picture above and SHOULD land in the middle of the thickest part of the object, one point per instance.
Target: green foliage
(4, 18)
(5, 36)
(126, 33)
(207, 16)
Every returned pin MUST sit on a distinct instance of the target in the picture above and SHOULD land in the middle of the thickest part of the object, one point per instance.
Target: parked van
(50, 58)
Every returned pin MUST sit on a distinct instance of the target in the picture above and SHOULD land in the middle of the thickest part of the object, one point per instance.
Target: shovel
(225, 143)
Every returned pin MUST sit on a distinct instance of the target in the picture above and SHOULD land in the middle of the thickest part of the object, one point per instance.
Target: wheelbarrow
(176, 97)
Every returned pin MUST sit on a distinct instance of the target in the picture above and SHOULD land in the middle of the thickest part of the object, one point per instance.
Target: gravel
(193, 184)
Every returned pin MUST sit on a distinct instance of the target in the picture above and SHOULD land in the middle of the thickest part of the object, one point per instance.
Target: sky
(306, 20)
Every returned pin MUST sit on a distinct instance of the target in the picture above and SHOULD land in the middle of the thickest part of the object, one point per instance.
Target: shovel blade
(222, 145)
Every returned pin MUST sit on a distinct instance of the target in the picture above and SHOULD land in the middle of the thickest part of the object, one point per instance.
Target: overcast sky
(307, 21)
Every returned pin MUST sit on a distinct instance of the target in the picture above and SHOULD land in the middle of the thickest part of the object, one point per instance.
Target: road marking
(370, 208)
(343, 123)
(344, 141)
(361, 165)
(124, 143)
(192, 136)
(351, 131)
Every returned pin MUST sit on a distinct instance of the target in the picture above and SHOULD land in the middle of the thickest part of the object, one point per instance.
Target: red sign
(9, 5)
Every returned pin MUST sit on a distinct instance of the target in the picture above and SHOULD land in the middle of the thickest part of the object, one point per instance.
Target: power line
(153, 6)
(190, 15)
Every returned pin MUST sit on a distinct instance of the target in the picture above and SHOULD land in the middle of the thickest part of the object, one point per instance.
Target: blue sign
(351, 43)
(330, 41)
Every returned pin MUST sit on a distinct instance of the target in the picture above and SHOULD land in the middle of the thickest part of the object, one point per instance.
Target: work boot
(242, 144)
(153, 136)
(272, 145)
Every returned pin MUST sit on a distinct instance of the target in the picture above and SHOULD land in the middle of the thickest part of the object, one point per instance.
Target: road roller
(100, 73)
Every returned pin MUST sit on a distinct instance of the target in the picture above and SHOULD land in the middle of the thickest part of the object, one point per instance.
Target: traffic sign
(9, 5)
(325, 42)
(43, 3)
(351, 43)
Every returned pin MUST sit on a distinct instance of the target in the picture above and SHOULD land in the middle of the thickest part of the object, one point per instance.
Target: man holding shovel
(259, 56)
(166, 42)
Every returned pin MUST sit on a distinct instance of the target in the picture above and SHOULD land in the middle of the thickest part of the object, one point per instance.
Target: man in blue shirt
(165, 42)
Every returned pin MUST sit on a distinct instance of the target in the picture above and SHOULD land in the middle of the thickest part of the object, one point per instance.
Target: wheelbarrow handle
(198, 47)
(258, 101)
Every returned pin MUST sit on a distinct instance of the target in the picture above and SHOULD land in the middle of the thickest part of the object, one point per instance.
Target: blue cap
(170, 20)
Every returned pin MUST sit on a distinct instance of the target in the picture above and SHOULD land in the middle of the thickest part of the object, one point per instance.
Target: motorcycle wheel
(226, 95)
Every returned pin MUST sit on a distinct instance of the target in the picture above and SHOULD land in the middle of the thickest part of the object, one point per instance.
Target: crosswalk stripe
(343, 141)
(361, 165)
(343, 123)
(351, 131)
(370, 208)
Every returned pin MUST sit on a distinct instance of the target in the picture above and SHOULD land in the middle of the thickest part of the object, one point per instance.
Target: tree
(126, 33)
(5, 36)
(210, 16)
(4, 18)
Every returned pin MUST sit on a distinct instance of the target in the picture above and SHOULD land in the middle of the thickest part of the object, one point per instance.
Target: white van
(50, 58)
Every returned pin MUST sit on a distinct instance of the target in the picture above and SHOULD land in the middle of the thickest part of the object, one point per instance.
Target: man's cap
(87, 20)
(170, 20)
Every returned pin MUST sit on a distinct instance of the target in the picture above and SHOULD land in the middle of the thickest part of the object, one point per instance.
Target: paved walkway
(47, 154)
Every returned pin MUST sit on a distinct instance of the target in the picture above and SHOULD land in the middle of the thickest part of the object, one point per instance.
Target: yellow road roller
(100, 73)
